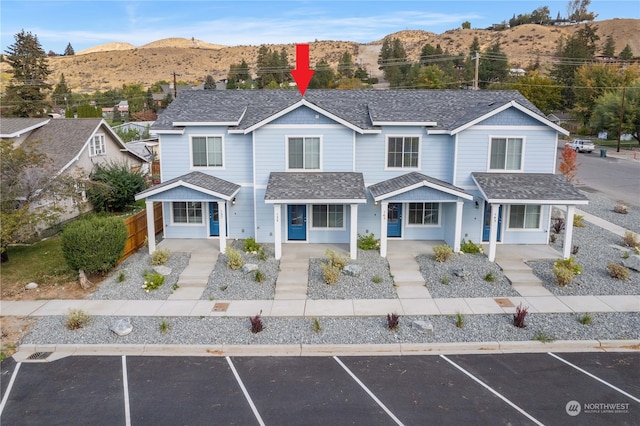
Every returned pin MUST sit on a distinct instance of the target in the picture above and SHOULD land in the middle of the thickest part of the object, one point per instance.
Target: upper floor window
(206, 151)
(424, 213)
(187, 212)
(524, 216)
(97, 146)
(328, 216)
(506, 154)
(304, 153)
(403, 151)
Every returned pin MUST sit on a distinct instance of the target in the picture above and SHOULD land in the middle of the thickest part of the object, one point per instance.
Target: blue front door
(486, 230)
(394, 220)
(297, 226)
(214, 220)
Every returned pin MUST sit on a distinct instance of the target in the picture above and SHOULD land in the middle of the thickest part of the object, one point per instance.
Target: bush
(94, 244)
(443, 252)
(234, 258)
(393, 321)
(259, 276)
(470, 247)
(113, 186)
(569, 263)
(618, 271)
(250, 246)
(152, 280)
(557, 225)
(578, 221)
(256, 323)
(76, 319)
(368, 242)
(564, 276)
(335, 259)
(160, 257)
(518, 317)
(631, 239)
(330, 273)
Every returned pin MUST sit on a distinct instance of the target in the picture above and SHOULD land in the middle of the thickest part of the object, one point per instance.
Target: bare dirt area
(12, 329)
(68, 290)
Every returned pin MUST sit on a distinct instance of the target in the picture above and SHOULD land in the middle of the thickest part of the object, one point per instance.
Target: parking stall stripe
(245, 392)
(490, 389)
(628, 395)
(362, 385)
(125, 385)
(6, 394)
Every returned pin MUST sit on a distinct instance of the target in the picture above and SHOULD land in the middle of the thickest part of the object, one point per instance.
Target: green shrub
(490, 277)
(234, 258)
(77, 318)
(443, 252)
(578, 221)
(585, 319)
(563, 275)
(569, 263)
(160, 257)
(259, 276)
(94, 244)
(113, 186)
(368, 242)
(152, 281)
(250, 246)
(377, 279)
(470, 247)
(330, 273)
(618, 271)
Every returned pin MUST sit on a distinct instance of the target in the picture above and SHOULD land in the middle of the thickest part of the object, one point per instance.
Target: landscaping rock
(621, 208)
(31, 286)
(352, 270)
(422, 326)
(249, 267)
(162, 270)
(461, 273)
(632, 262)
(122, 327)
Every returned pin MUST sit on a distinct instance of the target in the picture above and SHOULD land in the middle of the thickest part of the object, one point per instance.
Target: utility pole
(175, 86)
(620, 121)
(475, 79)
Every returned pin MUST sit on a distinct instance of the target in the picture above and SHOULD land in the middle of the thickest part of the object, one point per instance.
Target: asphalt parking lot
(543, 388)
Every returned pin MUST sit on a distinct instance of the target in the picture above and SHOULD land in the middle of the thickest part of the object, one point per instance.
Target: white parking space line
(490, 389)
(354, 377)
(6, 394)
(125, 385)
(628, 395)
(245, 392)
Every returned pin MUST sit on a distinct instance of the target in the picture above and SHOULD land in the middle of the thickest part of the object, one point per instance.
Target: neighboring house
(139, 126)
(323, 168)
(74, 146)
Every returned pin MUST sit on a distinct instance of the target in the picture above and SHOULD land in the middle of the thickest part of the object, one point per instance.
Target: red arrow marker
(302, 74)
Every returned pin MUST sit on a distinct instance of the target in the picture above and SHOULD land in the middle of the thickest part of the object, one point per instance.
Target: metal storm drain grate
(37, 356)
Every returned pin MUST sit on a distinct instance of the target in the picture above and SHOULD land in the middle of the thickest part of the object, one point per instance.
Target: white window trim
(328, 228)
(286, 153)
(508, 219)
(174, 223)
(522, 156)
(422, 225)
(224, 160)
(92, 145)
(386, 152)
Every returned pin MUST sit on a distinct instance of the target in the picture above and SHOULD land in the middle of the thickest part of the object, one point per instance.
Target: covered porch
(527, 193)
(198, 206)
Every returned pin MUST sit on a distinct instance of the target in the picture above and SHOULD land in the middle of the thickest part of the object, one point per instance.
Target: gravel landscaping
(603, 208)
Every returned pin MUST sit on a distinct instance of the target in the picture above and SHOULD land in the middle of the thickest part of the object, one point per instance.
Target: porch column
(493, 231)
(353, 237)
(568, 231)
(277, 230)
(222, 218)
(457, 236)
(151, 227)
(384, 208)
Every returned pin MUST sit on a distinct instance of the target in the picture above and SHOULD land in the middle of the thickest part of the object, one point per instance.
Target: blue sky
(86, 24)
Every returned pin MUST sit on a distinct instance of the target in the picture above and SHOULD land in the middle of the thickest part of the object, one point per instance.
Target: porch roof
(327, 187)
(410, 181)
(527, 188)
(197, 181)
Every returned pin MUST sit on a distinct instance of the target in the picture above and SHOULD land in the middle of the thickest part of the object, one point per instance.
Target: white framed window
(424, 214)
(327, 216)
(506, 153)
(97, 146)
(187, 212)
(303, 153)
(524, 216)
(403, 152)
(207, 151)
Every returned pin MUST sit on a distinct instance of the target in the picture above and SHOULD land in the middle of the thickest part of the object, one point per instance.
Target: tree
(28, 180)
(117, 115)
(61, 93)
(112, 187)
(26, 92)
(626, 54)
(568, 165)
(135, 96)
(209, 83)
(324, 77)
(610, 115)
(577, 11)
(69, 50)
(273, 67)
(493, 67)
(393, 62)
(345, 66)
(541, 91)
(466, 25)
(609, 48)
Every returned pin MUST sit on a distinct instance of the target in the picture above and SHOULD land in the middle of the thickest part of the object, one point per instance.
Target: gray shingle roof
(315, 186)
(527, 187)
(201, 180)
(11, 127)
(401, 182)
(448, 108)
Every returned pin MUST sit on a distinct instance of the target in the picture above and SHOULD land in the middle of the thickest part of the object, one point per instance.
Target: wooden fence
(137, 230)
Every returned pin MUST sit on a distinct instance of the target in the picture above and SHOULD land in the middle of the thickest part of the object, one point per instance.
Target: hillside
(114, 64)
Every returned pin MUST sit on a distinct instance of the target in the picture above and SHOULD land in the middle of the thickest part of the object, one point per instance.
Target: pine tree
(626, 54)
(345, 66)
(209, 83)
(609, 48)
(324, 77)
(26, 92)
(61, 93)
(69, 50)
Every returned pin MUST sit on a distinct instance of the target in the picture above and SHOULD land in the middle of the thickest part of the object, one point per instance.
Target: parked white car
(581, 145)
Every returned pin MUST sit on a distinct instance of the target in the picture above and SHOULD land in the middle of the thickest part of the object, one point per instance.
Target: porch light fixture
(477, 205)
(233, 201)
(375, 202)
